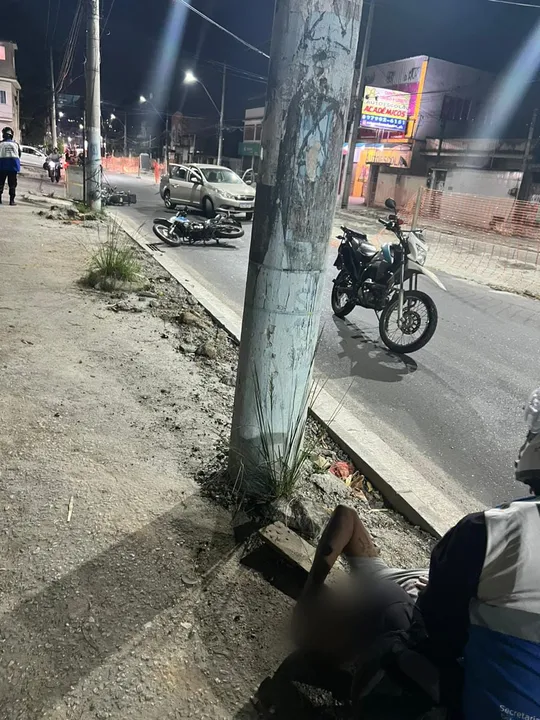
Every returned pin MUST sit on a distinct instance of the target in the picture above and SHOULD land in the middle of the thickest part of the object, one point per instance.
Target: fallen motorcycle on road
(112, 196)
(377, 279)
(181, 230)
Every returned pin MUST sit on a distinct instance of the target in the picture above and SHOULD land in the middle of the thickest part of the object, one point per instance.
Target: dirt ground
(123, 593)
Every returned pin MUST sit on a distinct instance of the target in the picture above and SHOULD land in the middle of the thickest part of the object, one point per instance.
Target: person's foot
(12, 202)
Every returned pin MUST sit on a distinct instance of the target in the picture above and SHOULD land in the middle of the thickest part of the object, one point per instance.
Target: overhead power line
(67, 62)
(511, 2)
(213, 22)
(108, 16)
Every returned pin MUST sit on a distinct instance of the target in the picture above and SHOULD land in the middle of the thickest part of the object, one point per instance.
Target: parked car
(210, 188)
(32, 156)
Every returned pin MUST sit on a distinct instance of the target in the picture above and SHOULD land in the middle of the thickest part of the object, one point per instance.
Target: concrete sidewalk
(121, 592)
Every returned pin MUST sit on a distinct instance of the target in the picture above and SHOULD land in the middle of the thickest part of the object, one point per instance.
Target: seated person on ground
(478, 616)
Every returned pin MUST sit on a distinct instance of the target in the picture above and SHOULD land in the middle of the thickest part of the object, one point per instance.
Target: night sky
(472, 32)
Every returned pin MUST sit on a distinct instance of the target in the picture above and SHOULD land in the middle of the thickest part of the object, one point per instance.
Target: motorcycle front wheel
(417, 326)
(229, 231)
(164, 230)
(342, 304)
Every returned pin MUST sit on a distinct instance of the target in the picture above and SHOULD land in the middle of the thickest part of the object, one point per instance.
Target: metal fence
(461, 213)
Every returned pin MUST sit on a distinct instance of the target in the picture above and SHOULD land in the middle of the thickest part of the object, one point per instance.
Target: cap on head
(528, 462)
(7, 132)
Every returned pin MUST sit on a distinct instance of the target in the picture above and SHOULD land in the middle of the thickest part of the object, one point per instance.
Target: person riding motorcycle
(10, 163)
(54, 157)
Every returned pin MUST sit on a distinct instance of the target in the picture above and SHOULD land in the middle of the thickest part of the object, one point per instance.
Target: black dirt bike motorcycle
(378, 279)
(181, 230)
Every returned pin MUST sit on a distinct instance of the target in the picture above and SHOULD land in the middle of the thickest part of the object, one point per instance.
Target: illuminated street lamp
(60, 114)
(142, 99)
(190, 79)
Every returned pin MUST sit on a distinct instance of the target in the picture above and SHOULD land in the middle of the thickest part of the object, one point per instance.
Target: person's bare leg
(344, 534)
(321, 617)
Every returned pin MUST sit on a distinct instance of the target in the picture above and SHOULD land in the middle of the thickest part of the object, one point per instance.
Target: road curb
(406, 490)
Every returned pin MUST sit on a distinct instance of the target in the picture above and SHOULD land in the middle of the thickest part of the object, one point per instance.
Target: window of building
(3, 97)
(249, 133)
(258, 130)
(455, 109)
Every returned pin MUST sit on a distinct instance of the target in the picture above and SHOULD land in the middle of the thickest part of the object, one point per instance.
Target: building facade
(444, 100)
(9, 88)
(250, 147)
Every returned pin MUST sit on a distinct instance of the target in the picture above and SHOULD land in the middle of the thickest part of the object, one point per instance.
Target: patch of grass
(284, 454)
(113, 264)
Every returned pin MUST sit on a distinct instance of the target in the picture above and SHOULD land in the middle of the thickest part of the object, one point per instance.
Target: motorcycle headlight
(421, 255)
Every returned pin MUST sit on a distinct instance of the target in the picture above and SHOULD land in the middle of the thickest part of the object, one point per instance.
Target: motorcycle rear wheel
(342, 305)
(417, 307)
(164, 231)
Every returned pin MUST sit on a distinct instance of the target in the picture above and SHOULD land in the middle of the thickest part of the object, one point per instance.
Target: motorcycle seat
(365, 248)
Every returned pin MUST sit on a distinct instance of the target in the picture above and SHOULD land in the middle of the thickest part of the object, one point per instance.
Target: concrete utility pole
(54, 138)
(523, 187)
(93, 107)
(167, 142)
(356, 102)
(221, 114)
(309, 85)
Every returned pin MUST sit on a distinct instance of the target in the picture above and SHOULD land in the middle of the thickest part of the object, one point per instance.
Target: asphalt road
(454, 408)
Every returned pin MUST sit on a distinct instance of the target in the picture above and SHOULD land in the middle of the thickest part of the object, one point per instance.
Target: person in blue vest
(481, 607)
(10, 163)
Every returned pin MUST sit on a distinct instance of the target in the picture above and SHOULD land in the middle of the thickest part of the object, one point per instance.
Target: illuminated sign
(385, 109)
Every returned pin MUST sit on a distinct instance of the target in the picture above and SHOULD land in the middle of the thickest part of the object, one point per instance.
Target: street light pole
(189, 79)
(221, 114)
(309, 85)
(356, 102)
(125, 135)
(53, 105)
(167, 142)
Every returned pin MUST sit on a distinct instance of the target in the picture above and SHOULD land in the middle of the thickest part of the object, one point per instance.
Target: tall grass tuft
(283, 457)
(114, 263)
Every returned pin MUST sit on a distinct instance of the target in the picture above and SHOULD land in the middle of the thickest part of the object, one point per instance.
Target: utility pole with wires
(167, 142)
(309, 86)
(54, 139)
(524, 185)
(221, 115)
(356, 103)
(125, 134)
(93, 107)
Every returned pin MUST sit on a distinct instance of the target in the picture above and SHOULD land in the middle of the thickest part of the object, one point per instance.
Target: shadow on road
(369, 358)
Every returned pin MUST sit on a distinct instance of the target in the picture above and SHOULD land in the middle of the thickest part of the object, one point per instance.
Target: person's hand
(422, 583)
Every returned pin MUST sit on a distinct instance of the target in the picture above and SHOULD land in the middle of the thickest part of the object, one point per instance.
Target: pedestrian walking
(10, 163)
